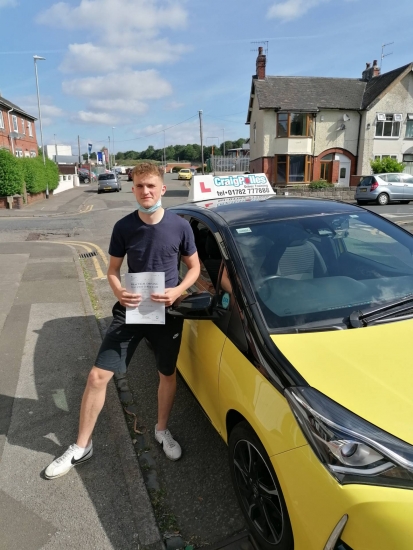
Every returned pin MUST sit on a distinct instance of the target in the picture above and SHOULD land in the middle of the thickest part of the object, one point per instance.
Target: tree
(386, 165)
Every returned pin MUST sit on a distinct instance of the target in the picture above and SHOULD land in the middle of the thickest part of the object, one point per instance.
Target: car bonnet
(367, 370)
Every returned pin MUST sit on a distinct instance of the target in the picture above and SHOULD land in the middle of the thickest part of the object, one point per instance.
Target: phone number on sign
(243, 191)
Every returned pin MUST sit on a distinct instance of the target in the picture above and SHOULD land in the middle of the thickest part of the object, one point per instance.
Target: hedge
(36, 175)
(15, 171)
(11, 174)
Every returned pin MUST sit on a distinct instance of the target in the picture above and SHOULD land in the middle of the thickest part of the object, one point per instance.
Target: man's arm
(171, 294)
(113, 274)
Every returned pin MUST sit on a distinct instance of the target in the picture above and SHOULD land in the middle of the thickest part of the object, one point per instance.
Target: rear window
(365, 181)
(185, 170)
(106, 176)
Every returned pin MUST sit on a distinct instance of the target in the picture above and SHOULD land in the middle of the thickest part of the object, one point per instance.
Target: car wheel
(383, 199)
(360, 203)
(86, 180)
(258, 491)
(99, 192)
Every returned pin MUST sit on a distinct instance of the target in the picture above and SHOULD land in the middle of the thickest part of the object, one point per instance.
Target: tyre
(360, 203)
(258, 491)
(99, 192)
(86, 180)
(383, 199)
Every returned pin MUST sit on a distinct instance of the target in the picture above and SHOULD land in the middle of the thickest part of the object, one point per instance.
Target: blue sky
(145, 66)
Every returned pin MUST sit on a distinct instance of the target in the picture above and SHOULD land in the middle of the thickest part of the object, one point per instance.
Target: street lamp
(35, 59)
(113, 146)
(164, 150)
(223, 139)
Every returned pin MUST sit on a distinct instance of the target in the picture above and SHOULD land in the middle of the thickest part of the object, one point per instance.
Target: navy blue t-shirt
(153, 247)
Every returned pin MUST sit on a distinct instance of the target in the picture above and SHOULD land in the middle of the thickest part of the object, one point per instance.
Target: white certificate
(147, 312)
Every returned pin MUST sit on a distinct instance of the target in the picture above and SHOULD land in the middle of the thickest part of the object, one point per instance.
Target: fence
(239, 165)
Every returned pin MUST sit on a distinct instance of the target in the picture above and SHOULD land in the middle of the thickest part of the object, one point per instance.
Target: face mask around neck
(150, 210)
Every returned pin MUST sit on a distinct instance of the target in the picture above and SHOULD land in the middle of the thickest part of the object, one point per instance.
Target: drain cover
(33, 236)
(88, 254)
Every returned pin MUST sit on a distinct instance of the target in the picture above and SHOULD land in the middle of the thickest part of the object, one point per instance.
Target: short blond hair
(148, 169)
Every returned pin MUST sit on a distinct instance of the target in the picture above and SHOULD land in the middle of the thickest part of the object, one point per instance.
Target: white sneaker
(73, 456)
(171, 448)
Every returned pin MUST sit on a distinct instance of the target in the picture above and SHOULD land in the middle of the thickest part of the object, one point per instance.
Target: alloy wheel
(258, 492)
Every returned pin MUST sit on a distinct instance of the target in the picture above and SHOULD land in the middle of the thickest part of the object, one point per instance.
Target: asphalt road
(193, 496)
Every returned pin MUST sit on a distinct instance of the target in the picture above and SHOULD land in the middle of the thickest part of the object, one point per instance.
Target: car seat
(213, 258)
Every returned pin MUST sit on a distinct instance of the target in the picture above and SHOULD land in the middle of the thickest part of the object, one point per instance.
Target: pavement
(48, 341)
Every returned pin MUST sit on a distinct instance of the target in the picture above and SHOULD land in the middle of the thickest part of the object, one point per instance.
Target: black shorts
(121, 341)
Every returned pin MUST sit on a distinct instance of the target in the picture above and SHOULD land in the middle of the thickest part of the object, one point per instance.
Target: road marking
(72, 245)
(100, 251)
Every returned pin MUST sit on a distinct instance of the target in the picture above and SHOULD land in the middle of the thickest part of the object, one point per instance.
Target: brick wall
(345, 194)
(335, 172)
(25, 142)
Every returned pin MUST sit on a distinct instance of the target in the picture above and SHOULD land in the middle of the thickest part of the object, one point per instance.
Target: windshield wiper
(360, 318)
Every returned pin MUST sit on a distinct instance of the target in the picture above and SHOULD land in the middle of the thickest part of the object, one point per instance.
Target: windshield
(321, 268)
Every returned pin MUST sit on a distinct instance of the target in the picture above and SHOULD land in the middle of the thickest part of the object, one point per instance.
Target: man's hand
(127, 299)
(171, 294)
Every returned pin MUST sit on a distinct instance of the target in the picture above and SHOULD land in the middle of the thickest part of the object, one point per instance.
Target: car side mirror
(198, 305)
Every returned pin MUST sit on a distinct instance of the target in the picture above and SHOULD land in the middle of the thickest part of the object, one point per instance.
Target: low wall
(335, 193)
(18, 201)
(66, 182)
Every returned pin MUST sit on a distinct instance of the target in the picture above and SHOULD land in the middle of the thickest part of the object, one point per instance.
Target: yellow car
(296, 345)
(185, 174)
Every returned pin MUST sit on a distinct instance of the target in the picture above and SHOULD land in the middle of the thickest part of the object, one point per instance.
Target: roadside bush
(11, 174)
(37, 176)
(386, 165)
(320, 184)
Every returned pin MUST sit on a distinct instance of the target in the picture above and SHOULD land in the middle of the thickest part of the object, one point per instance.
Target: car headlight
(352, 449)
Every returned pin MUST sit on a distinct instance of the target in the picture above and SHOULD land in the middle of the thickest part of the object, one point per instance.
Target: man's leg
(166, 396)
(92, 403)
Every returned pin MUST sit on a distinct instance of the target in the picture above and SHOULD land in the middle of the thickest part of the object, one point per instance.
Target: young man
(152, 238)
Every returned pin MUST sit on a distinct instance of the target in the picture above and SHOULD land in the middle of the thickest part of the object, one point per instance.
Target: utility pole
(113, 146)
(109, 153)
(202, 140)
(223, 137)
(78, 147)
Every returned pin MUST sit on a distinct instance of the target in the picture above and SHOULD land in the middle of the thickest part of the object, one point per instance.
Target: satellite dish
(346, 118)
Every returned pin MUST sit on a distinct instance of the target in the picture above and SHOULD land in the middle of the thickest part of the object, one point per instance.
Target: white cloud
(93, 58)
(89, 117)
(131, 85)
(174, 105)
(292, 9)
(50, 112)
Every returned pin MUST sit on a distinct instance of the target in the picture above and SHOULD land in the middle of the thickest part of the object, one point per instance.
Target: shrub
(320, 184)
(386, 165)
(37, 175)
(11, 174)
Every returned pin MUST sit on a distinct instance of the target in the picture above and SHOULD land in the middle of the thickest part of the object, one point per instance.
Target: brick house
(17, 130)
(306, 128)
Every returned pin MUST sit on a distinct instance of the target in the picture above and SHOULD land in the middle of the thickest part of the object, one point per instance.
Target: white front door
(344, 170)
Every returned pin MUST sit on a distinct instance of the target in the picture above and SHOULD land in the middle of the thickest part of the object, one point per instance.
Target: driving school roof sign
(220, 187)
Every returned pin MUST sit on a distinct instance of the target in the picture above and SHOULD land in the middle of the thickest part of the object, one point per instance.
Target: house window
(255, 132)
(29, 126)
(1, 120)
(409, 126)
(380, 157)
(292, 168)
(294, 124)
(33, 154)
(14, 123)
(388, 125)
(23, 126)
(326, 166)
(19, 153)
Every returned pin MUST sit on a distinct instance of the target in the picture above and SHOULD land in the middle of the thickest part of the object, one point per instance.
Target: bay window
(292, 168)
(294, 125)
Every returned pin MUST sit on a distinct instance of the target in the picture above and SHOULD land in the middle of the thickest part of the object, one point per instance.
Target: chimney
(371, 71)
(261, 62)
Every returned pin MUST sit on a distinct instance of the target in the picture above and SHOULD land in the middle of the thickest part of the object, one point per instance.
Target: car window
(392, 178)
(407, 178)
(365, 181)
(322, 268)
(106, 176)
